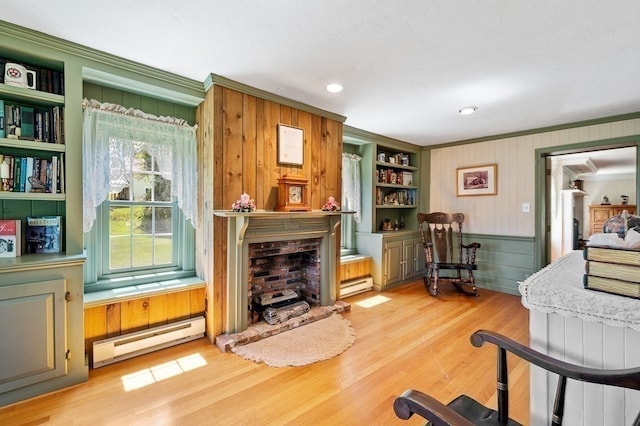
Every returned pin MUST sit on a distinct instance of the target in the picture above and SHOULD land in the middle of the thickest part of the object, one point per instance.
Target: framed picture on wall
(478, 180)
(290, 145)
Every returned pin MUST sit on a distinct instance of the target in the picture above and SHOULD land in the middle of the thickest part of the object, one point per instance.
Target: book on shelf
(10, 238)
(47, 79)
(2, 133)
(41, 174)
(41, 124)
(44, 234)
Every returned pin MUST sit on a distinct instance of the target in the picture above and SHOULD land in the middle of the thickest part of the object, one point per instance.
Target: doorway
(607, 167)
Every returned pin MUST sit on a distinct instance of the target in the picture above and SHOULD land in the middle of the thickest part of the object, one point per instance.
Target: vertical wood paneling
(244, 141)
(316, 157)
(272, 168)
(591, 344)
(232, 148)
(113, 320)
(134, 315)
(95, 326)
(196, 302)
(593, 395)
(158, 308)
(178, 306)
(249, 145)
(261, 163)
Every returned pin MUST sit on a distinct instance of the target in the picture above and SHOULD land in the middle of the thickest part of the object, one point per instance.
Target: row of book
(33, 174)
(396, 177)
(42, 234)
(401, 197)
(25, 122)
(47, 79)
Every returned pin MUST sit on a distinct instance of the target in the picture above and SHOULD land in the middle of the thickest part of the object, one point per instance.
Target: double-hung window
(140, 198)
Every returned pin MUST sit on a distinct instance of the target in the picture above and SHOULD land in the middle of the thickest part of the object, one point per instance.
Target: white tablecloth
(557, 288)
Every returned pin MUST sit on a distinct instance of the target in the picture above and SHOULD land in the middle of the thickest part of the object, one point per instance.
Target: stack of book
(612, 270)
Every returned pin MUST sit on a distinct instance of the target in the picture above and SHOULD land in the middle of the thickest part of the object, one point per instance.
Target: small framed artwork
(290, 145)
(478, 180)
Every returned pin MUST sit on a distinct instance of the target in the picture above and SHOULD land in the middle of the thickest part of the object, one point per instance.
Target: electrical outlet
(525, 208)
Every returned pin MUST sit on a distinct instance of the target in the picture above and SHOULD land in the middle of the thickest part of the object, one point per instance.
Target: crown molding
(214, 79)
(104, 68)
(358, 136)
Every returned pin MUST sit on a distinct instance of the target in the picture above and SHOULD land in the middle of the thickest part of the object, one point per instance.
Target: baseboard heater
(352, 287)
(127, 346)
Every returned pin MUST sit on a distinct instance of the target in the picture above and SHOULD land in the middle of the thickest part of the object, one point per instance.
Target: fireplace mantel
(244, 228)
(279, 215)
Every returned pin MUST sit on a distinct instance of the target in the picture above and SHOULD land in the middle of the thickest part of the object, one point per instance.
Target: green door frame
(541, 249)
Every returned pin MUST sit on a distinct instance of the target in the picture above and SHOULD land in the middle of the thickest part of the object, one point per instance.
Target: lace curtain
(351, 184)
(111, 134)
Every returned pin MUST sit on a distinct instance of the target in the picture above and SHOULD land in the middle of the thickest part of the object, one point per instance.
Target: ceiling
(406, 67)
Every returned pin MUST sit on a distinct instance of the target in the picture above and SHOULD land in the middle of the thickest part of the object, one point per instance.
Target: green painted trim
(541, 251)
(592, 122)
(358, 136)
(167, 81)
(214, 79)
(106, 297)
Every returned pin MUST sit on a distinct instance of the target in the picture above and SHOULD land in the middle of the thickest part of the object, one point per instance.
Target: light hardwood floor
(413, 340)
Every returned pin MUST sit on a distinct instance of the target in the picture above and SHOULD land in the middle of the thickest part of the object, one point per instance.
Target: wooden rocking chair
(441, 235)
(464, 410)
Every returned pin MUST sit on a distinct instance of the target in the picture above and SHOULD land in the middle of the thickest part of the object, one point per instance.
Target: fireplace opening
(283, 276)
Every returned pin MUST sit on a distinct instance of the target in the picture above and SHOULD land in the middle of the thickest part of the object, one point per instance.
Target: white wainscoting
(591, 344)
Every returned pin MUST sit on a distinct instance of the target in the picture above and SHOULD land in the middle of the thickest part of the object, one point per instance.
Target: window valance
(112, 133)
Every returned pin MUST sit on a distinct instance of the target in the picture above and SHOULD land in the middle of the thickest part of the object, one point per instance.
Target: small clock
(293, 194)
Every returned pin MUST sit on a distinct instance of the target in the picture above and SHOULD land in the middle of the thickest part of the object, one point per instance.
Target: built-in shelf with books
(388, 231)
(32, 148)
(395, 189)
(44, 279)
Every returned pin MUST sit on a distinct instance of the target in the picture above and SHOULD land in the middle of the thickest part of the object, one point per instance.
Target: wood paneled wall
(237, 149)
(115, 319)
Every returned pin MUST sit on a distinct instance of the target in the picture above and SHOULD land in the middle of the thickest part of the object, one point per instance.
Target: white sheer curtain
(351, 183)
(111, 134)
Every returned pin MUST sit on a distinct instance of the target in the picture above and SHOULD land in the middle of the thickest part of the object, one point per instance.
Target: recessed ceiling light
(468, 110)
(334, 88)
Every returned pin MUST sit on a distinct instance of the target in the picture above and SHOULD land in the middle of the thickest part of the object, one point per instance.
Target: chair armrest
(472, 245)
(626, 378)
(470, 251)
(414, 401)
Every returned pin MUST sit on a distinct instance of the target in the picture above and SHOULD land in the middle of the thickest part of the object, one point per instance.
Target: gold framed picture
(290, 145)
(477, 180)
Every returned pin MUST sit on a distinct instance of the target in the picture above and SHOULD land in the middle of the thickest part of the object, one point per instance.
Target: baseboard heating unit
(127, 346)
(352, 287)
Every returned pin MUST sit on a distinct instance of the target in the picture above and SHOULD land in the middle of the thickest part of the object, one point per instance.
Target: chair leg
(472, 281)
(434, 288)
(430, 281)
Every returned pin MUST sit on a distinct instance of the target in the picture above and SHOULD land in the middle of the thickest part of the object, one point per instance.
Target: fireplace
(291, 233)
(283, 273)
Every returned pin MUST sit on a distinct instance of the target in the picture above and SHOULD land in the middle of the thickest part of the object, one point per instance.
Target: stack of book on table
(613, 270)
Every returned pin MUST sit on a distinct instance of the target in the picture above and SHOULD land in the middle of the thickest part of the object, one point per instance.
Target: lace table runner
(557, 288)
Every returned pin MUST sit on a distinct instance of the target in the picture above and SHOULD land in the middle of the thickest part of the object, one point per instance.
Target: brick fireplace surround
(291, 232)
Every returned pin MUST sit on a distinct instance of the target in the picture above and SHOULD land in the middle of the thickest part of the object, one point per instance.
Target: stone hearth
(263, 330)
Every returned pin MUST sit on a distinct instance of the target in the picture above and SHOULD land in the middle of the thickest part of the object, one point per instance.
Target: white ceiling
(407, 66)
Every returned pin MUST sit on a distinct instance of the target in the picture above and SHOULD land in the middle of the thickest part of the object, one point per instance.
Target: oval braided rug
(303, 345)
